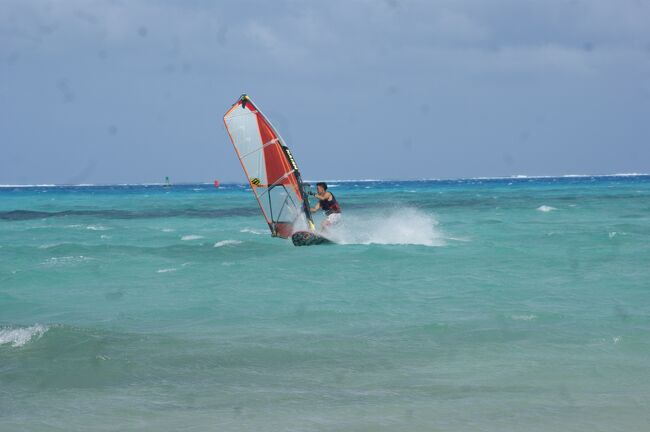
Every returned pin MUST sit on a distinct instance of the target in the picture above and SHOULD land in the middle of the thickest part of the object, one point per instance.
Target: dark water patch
(114, 295)
(19, 215)
(102, 254)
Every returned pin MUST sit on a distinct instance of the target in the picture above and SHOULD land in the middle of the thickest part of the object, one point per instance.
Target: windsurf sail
(271, 169)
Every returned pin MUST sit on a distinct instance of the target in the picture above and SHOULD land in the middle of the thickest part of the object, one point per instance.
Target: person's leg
(326, 223)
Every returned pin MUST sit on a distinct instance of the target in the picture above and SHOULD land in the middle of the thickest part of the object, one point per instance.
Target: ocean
(512, 304)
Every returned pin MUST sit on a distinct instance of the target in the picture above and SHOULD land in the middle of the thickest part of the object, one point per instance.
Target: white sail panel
(270, 168)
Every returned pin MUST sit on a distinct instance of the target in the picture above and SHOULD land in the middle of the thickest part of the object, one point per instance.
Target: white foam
(66, 260)
(239, 185)
(191, 237)
(251, 231)
(612, 234)
(226, 243)
(545, 208)
(27, 186)
(97, 228)
(524, 317)
(459, 239)
(398, 226)
(345, 181)
(167, 270)
(168, 230)
(18, 337)
(49, 245)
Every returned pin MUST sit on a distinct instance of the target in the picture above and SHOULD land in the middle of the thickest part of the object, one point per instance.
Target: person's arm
(326, 196)
(315, 208)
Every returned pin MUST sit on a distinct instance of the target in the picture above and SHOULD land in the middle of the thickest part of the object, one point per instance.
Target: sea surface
(514, 304)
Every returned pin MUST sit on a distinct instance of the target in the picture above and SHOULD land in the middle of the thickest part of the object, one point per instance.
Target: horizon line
(512, 177)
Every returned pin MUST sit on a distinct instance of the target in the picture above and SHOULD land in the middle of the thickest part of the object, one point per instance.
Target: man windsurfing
(327, 202)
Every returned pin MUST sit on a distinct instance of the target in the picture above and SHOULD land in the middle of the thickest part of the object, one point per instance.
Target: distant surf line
(386, 180)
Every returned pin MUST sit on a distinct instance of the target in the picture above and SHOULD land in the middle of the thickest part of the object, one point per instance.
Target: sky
(124, 91)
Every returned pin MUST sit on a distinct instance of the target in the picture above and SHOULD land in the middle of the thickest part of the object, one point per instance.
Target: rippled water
(506, 304)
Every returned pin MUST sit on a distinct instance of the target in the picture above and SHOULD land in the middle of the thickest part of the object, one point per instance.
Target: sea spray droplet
(406, 226)
(18, 337)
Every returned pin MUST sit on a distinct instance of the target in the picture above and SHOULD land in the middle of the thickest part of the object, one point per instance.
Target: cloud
(111, 80)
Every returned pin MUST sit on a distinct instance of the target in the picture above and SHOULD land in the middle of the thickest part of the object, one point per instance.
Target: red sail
(270, 168)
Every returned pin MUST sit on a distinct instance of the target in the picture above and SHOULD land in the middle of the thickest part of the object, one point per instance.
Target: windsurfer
(327, 202)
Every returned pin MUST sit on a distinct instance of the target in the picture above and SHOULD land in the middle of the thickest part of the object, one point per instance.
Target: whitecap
(545, 208)
(458, 239)
(523, 317)
(191, 237)
(251, 231)
(49, 245)
(97, 228)
(166, 270)
(66, 260)
(168, 230)
(18, 337)
(226, 243)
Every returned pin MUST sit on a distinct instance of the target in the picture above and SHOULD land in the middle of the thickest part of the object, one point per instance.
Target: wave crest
(19, 336)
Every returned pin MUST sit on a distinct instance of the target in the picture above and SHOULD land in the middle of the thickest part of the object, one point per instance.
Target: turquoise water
(491, 305)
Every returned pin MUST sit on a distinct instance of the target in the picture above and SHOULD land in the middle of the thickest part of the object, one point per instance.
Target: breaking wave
(226, 243)
(19, 336)
(252, 231)
(166, 270)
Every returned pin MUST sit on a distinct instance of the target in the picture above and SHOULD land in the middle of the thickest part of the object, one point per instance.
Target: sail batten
(271, 169)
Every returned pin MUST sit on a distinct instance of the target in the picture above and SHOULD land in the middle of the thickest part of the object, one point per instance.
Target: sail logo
(255, 181)
(290, 157)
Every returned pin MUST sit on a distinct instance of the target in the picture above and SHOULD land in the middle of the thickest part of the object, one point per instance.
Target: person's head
(322, 187)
